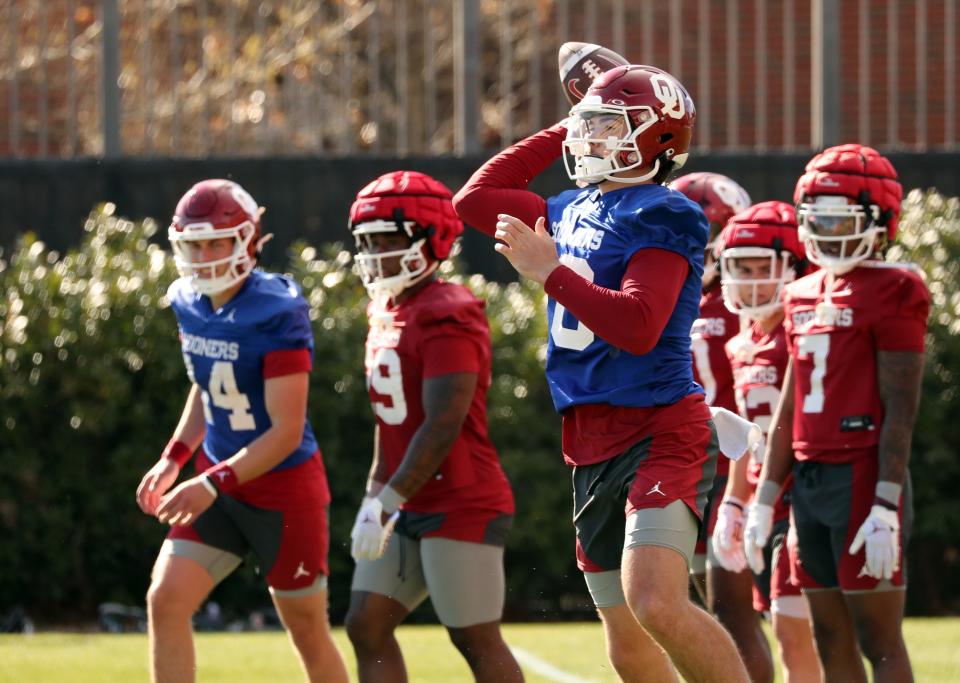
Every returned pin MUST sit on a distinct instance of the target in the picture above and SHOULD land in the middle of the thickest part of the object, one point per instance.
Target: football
(581, 63)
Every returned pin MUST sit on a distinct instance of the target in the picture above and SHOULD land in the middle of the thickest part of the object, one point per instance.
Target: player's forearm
(778, 458)
(266, 451)
(633, 317)
(737, 485)
(499, 186)
(428, 448)
(192, 426)
(899, 378)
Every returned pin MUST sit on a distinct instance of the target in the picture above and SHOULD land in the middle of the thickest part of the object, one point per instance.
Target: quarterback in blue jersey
(260, 486)
(621, 261)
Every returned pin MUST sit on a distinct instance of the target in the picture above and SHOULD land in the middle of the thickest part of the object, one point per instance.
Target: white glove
(735, 436)
(369, 536)
(728, 536)
(881, 533)
(756, 533)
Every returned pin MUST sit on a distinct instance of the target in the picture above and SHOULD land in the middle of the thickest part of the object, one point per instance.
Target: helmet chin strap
(632, 180)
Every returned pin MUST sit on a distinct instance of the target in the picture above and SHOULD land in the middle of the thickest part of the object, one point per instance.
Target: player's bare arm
(190, 431)
(778, 458)
(899, 378)
(286, 402)
(378, 476)
(532, 252)
(446, 402)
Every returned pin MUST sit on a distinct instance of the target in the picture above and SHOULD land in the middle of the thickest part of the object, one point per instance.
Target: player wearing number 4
(435, 480)
(621, 262)
(260, 484)
(855, 331)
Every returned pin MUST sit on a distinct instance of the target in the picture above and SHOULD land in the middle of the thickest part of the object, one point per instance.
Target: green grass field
(549, 652)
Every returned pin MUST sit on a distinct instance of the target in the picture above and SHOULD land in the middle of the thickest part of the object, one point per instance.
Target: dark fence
(308, 198)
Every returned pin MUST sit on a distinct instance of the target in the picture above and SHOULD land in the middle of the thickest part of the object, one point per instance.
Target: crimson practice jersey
(758, 367)
(442, 329)
(878, 306)
(715, 326)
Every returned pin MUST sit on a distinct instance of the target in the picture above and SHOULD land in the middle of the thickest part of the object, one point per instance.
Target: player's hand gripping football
(880, 532)
(185, 503)
(532, 252)
(155, 483)
(756, 533)
(370, 533)
(728, 536)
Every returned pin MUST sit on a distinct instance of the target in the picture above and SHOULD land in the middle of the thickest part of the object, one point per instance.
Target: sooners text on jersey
(596, 236)
(224, 353)
(878, 307)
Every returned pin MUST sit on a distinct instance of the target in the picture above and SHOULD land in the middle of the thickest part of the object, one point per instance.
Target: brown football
(581, 63)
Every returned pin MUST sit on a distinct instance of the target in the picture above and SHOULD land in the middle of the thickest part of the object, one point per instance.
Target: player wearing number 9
(437, 506)
(855, 330)
(260, 486)
(621, 262)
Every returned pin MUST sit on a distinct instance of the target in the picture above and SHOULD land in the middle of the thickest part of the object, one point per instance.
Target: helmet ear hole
(633, 157)
(666, 137)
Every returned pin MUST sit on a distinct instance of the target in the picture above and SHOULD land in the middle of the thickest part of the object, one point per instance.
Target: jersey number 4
(817, 346)
(223, 392)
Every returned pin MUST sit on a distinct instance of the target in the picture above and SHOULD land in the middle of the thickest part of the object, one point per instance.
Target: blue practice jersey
(224, 352)
(596, 236)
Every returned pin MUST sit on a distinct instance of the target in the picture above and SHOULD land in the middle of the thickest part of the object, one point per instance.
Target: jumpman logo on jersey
(656, 489)
(300, 572)
(229, 317)
(221, 474)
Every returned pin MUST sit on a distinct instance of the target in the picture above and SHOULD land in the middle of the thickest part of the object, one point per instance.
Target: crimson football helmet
(848, 204)
(632, 116)
(767, 230)
(216, 209)
(412, 204)
(720, 197)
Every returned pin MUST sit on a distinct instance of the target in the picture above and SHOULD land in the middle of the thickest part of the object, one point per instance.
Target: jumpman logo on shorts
(300, 572)
(656, 489)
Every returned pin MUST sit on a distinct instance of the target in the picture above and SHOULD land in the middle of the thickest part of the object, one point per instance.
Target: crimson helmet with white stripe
(767, 230)
(410, 203)
(216, 209)
(631, 117)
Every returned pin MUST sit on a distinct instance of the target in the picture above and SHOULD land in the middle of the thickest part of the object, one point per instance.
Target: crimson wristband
(223, 477)
(177, 451)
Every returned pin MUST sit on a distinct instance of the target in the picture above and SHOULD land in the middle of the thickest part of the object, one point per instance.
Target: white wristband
(390, 499)
(208, 485)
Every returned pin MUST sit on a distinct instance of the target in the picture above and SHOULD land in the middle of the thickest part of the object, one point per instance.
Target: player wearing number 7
(435, 480)
(621, 263)
(855, 332)
(260, 486)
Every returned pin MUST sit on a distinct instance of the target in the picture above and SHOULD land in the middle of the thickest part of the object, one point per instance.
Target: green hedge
(92, 382)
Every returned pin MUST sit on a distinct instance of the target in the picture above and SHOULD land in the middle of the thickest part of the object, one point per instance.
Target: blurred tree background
(92, 382)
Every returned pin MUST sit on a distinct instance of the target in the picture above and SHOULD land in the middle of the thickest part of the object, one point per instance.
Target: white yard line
(544, 668)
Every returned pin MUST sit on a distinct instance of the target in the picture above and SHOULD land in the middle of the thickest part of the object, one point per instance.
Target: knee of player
(165, 600)
(880, 641)
(476, 642)
(653, 607)
(365, 630)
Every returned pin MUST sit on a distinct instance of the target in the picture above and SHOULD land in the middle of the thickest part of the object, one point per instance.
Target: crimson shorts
(280, 516)
(489, 527)
(830, 503)
(676, 464)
